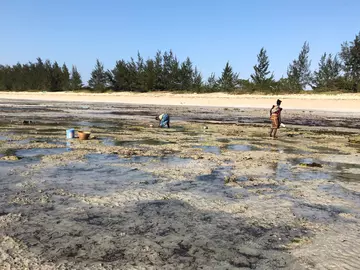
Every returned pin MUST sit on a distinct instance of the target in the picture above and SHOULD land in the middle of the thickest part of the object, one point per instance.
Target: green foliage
(261, 71)
(299, 73)
(212, 83)
(164, 72)
(329, 71)
(66, 78)
(187, 75)
(229, 79)
(350, 55)
(44, 76)
(99, 78)
(75, 79)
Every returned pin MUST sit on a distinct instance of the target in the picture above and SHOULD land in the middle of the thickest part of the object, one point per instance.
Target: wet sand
(212, 192)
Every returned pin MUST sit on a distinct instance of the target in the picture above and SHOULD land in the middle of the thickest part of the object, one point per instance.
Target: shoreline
(345, 103)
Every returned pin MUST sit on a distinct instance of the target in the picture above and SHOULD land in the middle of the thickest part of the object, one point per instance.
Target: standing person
(164, 120)
(275, 117)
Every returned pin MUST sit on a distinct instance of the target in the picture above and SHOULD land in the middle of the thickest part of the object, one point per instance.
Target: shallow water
(113, 158)
(325, 150)
(330, 171)
(111, 142)
(94, 178)
(242, 147)
(209, 149)
(35, 152)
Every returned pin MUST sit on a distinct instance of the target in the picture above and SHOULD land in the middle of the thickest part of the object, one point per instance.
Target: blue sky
(209, 32)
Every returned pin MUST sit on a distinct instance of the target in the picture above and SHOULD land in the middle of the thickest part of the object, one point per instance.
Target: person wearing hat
(275, 117)
(164, 120)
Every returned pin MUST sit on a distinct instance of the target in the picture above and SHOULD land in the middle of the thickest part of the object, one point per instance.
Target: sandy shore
(335, 103)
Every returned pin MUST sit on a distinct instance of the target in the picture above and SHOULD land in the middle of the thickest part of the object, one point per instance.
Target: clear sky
(209, 32)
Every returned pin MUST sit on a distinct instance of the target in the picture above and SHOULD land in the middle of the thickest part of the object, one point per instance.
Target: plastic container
(83, 135)
(70, 133)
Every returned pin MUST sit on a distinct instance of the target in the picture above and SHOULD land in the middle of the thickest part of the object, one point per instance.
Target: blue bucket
(70, 133)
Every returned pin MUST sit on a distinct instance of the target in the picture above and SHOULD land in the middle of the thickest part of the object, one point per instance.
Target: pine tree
(350, 54)
(299, 73)
(98, 80)
(75, 79)
(66, 78)
(117, 76)
(132, 76)
(212, 83)
(48, 70)
(186, 74)
(329, 71)
(158, 70)
(2, 77)
(228, 79)
(261, 70)
(140, 73)
(56, 77)
(150, 75)
(42, 75)
(197, 80)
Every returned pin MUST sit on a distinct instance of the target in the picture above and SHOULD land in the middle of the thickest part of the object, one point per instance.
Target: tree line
(164, 72)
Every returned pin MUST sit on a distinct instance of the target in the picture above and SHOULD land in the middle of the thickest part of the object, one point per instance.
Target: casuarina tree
(228, 79)
(299, 73)
(350, 54)
(329, 70)
(98, 80)
(261, 70)
(75, 79)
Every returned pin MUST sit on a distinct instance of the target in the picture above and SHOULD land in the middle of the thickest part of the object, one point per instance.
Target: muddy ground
(212, 192)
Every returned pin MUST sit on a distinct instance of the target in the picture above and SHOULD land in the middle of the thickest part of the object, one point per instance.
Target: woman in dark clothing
(275, 117)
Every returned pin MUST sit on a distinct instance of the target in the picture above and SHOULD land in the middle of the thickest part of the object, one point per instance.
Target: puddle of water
(347, 172)
(113, 158)
(223, 140)
(40, 140)
(102, 158)
(110, 142)
(333, 170)
(95, 179)
(166, 160)
(3, 138)
(290, 150)
(35, 152)
(25, 141)
(325, 150)
(286, 171)
(242, 147)
(209, 149)
(218, 174)
(273, 147)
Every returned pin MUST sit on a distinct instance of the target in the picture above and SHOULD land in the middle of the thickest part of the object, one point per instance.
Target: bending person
(164, 120)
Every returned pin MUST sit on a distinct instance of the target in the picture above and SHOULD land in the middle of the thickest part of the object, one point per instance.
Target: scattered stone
(27, 122)
(10, 158)
(230, 179)
(312, 165)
